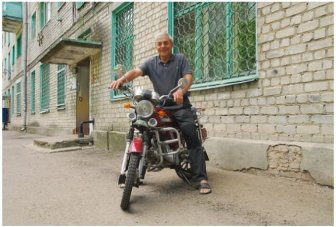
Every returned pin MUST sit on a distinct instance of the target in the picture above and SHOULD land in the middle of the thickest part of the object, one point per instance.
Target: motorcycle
(154, 140)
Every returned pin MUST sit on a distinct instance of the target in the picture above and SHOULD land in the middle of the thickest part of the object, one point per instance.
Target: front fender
(136, 145)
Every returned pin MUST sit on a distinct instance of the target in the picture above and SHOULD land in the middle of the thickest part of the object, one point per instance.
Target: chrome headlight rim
(144, 109)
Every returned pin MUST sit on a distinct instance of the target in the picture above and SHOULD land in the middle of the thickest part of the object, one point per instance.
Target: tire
(130, 179)
(184, 171)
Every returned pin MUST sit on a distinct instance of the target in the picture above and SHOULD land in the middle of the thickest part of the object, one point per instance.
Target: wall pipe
(25, 67)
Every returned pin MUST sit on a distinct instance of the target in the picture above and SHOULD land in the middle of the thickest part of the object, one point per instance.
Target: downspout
(25, 66)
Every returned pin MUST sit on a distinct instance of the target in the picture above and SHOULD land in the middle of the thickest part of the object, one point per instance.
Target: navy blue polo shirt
(165, 76)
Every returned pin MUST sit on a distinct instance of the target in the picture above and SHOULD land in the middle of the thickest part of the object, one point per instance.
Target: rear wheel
(130, 180)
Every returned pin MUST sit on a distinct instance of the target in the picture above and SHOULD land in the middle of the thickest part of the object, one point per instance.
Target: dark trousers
(186, 122)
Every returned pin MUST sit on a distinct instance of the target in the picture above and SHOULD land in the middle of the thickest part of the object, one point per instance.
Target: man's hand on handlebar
(178, 96)
(117, 83)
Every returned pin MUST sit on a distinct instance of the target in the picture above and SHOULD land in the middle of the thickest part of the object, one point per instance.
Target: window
(4, 65)
(45, 13)
(44, 88)
(218, 39)
(19, 46)
(122, 39)
(4, 37)
(32, 92)
(60, 86)
(13, 55)
(12, 100)
(18, 99)
(5, 68)
(33, 26)
(79, 5)
(59, 5)
(9, 67)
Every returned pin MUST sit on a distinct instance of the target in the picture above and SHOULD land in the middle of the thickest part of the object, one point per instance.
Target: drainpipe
(25, 62)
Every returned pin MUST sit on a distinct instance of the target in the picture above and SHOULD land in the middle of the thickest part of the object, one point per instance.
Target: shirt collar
(170, 60)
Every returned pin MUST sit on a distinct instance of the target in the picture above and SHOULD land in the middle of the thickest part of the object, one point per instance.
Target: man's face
(164, 46)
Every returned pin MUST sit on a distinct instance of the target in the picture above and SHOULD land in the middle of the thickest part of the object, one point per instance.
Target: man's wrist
(181, 90)
(124, 79)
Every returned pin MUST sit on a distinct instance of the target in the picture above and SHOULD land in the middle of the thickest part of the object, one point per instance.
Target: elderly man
(164, 71)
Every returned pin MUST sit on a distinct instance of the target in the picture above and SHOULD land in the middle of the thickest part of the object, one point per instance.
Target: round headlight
(144, 109)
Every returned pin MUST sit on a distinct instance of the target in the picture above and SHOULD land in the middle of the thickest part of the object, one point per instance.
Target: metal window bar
(18, 99)
(122, 40)
(44, 88)
(219, 40)
(60, 86)
(32, 92)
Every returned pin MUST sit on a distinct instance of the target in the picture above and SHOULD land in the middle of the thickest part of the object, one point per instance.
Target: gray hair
(164, 34)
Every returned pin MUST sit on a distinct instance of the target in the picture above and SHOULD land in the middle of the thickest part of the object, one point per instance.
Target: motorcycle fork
(134, 149)
(142, 164)
(124, 165)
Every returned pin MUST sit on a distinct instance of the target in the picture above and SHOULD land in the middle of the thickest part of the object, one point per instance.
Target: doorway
(83, 95)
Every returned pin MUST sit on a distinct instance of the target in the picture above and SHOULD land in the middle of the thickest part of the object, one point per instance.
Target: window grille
(122, 39)
(60, 86)
(32, 92)
(44, 87)
(218, 39)
(18, 99)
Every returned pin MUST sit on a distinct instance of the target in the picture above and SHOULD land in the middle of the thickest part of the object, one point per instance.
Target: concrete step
(61, 142)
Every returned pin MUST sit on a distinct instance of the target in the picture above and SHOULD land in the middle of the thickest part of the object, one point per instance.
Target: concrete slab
(235, 154)
(60, 142)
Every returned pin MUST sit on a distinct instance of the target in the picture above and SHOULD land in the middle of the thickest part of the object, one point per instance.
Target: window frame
(198, 70)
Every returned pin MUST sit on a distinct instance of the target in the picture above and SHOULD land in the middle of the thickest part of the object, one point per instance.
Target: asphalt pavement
(80, 188)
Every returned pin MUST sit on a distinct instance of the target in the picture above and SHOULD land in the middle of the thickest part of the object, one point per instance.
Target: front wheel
(130, 179)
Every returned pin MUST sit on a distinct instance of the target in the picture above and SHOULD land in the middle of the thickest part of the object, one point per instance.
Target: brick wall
(295, 45)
